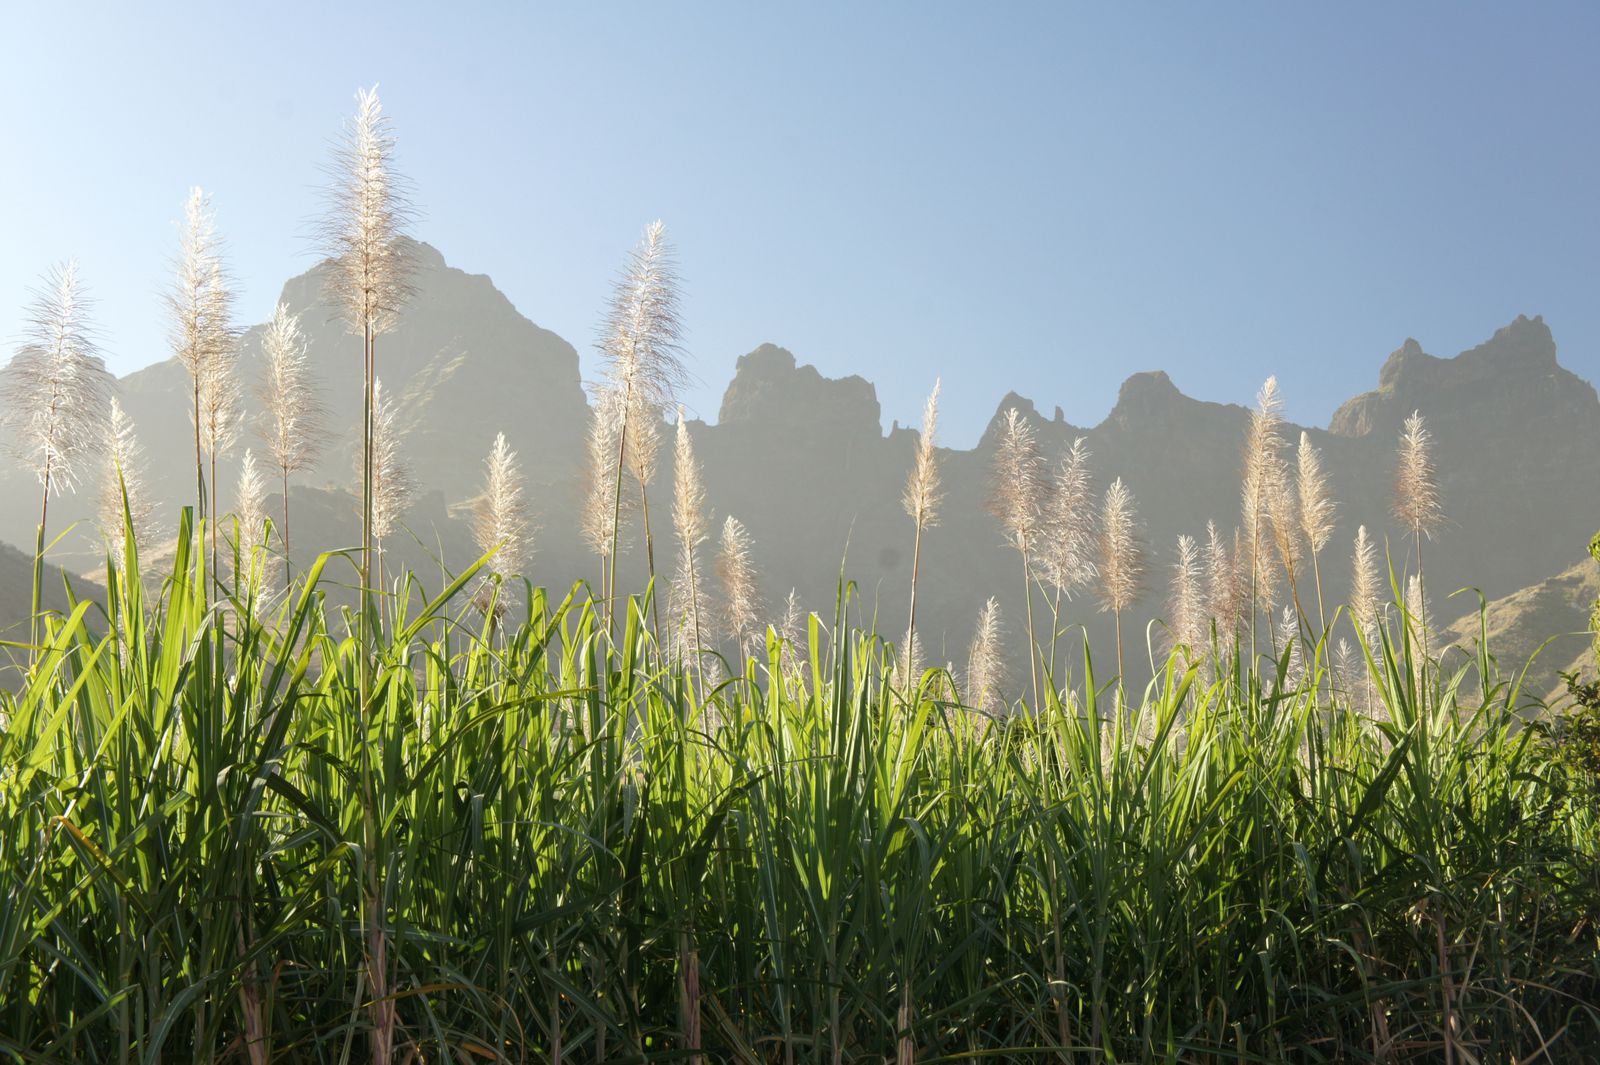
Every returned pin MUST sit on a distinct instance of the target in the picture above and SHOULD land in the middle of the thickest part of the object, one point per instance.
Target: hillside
(1553, 612)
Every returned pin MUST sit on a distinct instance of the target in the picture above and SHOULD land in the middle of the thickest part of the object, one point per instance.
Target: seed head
(500, 514)
(1416, 492)
(56, 390)
(1120, 562)
(364, 230)
(922, 494)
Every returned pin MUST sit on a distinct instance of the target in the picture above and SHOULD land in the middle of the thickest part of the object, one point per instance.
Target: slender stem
(616, 505)
(1316, 572)
(911, 619)
(286, 561)
(1116, 614)
(650, 561)
(1033, 647)
(694, 609)
(38, 569)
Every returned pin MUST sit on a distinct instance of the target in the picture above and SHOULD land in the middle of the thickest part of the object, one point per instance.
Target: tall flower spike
(364, 231)
(1418, 615)
(791, 631)
(1016, 487)
(293, 421)
(1289, 637)
(1262, 486)
(1365, 601)
(640, 349)
(1119, 557)
(740, 605)
(123, 473)
(293, 418)
(1187, 607)
(921, 503)
(984, 666)
(393, 483)
(1120, 562)
(923, 495)
(200, 308)
(1222, 585)
(1016, 499)
(1066, 554)
(250, 508)
(689, 521)
(1316, 511)
(56, 389)
(1316, 503)
(500, 514)
(220, 398)
(599, 517)
(1416, 493)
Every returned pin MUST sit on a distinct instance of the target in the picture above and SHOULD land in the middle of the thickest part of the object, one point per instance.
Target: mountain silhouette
(804, 462)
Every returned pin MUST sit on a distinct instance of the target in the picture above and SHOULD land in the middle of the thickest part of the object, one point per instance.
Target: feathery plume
(921, 501)
(1416, 492)
(736, 571)
(499, 514)
(1418, 616)
(123, 475)
(1068, 540)
(364, 230)
(1316, 511)
(1365, 601)
(1120, 563)
(908, 663)
(1262, 485)
(293, 418)
(57, 398)
(250, 506)
(643, 359)
(392, 482)
(791, 632)
(1017, 483)
(219, 384)
(599, 518)
(200, 305)
(1289, 637)
(985, 679)
(1222, 585)
(923, 494)
(1016, 495)
(1416, 500)
(1346, 668)
(293, 423)
(56, 388)
(1316, 504)
(1187, 606)
(689, 522)
(644, 365)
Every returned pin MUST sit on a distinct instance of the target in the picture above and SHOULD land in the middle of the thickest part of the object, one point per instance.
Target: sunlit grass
(580, 858)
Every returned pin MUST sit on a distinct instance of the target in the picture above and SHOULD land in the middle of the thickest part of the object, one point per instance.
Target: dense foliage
(587, 850)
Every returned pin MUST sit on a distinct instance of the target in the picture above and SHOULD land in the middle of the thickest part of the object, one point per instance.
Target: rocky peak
(1520, 358)
(770, 388)
(1147, 396)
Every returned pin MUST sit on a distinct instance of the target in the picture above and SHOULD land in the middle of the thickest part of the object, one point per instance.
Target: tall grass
(584, 860)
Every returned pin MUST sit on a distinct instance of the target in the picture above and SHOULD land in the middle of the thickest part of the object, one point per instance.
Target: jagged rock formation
(804, 462)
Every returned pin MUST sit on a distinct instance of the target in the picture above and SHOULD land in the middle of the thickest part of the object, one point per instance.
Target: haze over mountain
(805, 463)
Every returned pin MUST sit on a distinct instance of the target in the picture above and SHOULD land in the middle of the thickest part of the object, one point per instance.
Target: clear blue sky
(1045, 198)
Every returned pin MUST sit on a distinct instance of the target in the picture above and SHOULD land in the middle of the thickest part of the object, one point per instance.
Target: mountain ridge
(804, 460)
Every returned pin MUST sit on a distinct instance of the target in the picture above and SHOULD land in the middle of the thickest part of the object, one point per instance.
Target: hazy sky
(1041, 198)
